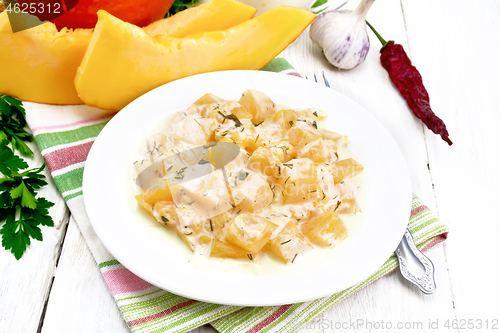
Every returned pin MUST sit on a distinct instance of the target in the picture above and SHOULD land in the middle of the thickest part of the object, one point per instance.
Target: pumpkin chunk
(228, 250)
(302, 134)
(254, 194)
(319, 151)
(299, 180)
(345, 168)
(347, 206)
(289, 243)
(275, 127)
(143, 205)
(159, 192)
(325, 229)
(250, 232)
(264, 161)
(206, 196)
(258, 104)
(243, 135)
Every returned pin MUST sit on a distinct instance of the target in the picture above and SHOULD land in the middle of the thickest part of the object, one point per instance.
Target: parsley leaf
(41, 214)
(21, 213)
(27, 198)
(12, 124)
(19, 233)
(8, 161)
(180, 5)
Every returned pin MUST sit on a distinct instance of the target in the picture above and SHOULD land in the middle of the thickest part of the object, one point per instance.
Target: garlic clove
(342, 35)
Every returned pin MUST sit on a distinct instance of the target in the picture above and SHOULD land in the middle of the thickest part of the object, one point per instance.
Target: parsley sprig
(21, 213)
(180, 5)
(12, 124)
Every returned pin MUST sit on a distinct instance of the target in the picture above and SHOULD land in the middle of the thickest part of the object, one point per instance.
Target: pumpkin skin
(40, 64)
(123, 62)
(138, 12)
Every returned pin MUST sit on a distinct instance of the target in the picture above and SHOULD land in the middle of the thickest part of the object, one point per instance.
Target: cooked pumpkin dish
(238, 179)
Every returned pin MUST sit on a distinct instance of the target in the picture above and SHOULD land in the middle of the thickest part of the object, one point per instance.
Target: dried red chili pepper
(409, 82)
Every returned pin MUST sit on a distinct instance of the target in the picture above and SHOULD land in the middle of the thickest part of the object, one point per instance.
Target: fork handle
(409, 258)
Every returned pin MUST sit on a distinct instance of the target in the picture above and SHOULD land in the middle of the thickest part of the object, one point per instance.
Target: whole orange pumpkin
(138, 12)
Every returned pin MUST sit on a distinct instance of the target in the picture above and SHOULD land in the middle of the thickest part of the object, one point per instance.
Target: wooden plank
(457, 52)
(25, 284)
(80, 300)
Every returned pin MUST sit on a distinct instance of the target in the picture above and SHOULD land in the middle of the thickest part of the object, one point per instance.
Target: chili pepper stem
(384, 43)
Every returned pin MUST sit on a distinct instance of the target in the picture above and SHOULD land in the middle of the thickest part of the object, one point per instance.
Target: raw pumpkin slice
(209, 16)
(40, 64)
(123, 62)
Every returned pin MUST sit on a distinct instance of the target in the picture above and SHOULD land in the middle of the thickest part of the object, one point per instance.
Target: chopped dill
(285, 149)
(232, 117)
(274, 194)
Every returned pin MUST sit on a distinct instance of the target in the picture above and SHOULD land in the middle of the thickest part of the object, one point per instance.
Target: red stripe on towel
(64, 157)
(418, 210)
(34, 130)
(160, 314)
(270, 319)
(123, 281)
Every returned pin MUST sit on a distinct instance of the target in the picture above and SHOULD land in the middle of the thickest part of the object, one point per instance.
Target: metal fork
(413, 264)
(325, 78)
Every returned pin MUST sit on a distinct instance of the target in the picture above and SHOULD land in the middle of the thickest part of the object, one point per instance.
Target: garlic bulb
(342, 35)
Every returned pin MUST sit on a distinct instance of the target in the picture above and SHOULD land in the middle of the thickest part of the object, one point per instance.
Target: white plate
(159, 257)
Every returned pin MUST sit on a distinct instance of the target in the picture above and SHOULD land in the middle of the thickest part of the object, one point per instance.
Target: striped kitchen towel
(65, 135)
